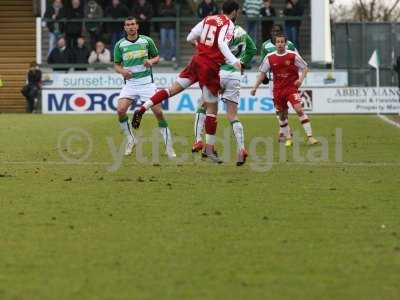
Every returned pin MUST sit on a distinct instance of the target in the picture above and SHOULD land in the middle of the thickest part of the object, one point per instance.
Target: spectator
(207, 8)
(143, 12)
(251, 8)
(32, 88)
(101, 55)
(267, 11)
(93, 11)
(60, 55)
(292, 27)
(155, 5)
(193, 5)
(167, 31)
(116, 10)
(52, 12)
(81, 53)
(72, 30)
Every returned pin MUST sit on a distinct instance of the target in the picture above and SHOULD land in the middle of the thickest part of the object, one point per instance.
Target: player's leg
(122, 108)
(281, 109)
(231, 96)
(164, 130)
(210, 124)
(304, 120)
(199, 120)
(284, 128)
(283, 117)
(156, 99)
(238, 132)
(185, 79)
(145, 92)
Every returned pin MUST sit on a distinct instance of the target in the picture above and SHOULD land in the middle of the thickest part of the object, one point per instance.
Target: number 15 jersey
(213, 35)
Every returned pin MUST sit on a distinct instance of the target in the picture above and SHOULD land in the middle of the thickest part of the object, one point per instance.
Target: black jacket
(296, 11)
(167, 12)
(205, 10)
(146, 10)
(34, 77)
(72, 28)
(120, 11)
(264, 13)
(50, 11)
(57, 56)
(81, 55)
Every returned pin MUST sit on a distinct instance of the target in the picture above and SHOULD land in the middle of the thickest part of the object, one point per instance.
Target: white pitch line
(52, 163)
(387, 120)
(311, 164)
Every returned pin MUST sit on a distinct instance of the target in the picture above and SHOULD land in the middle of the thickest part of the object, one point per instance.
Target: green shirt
(243, 47)
(132, 55)
(268, 47)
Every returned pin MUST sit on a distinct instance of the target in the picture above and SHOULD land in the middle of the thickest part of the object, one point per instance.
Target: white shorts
(230, 90)
(138, 93)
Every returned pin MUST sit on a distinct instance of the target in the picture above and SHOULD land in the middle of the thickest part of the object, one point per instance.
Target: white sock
(167, 137)
(210, 139)
(127, 130)
(284, 127)
(148, 104)
(199, 124)
(237, 128)
(305, 122)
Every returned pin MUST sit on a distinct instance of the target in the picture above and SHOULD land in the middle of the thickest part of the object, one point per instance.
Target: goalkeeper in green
(244, 48)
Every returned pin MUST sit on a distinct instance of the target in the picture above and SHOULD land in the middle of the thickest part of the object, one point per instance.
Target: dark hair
(130, 18)
(229, 6)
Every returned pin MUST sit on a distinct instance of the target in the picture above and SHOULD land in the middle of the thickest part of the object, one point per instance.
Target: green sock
(163, 123)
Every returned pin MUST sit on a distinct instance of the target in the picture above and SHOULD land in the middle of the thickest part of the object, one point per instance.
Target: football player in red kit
(285, 66)
(211, 37)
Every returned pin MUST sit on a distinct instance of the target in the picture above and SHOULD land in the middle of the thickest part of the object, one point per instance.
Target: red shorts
(281, 101)
(203, 70)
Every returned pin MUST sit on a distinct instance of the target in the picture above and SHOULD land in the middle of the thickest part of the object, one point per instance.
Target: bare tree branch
(363, 12)
(371, 10)
(393, 7)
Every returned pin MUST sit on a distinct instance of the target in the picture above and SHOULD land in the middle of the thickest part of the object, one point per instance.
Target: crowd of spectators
(93, 41)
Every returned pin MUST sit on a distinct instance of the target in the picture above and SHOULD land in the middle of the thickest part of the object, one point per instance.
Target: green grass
(193, 230)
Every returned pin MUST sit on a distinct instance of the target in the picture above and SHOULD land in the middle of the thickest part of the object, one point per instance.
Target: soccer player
(285, 66)
(268, 47)
(134, 55)
(244, 48)
(211, 37)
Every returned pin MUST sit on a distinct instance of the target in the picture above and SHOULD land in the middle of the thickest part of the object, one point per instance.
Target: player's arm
(303, 68)
(264, 68)
(263, 52)
(154, 56)
(195, 33)
(225, 35)
(249, 52)
(127, 74)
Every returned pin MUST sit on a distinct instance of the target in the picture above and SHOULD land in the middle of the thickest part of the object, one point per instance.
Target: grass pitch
(321, 223)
